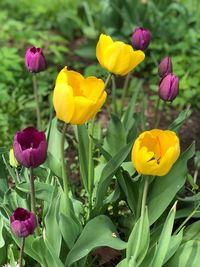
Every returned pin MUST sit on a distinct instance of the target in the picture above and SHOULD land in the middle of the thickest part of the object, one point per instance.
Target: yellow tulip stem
(124, 91)
(187, 219)
(90, 163)
(35, 91)
(106, 83)
(114, 98)
(144, 197)
(64, 170)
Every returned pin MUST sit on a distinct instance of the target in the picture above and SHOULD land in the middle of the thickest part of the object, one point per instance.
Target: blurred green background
(68, 30)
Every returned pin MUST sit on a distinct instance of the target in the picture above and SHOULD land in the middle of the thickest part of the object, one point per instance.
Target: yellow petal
(63, 101)
(62, 76)
(75, 80)
(103, 43)
(92, 88)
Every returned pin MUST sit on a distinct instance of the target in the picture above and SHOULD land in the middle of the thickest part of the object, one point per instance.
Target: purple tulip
(141, 38)
(22, 222)
(169, 87)
(165, 67)
(35, 60)
(30, 147)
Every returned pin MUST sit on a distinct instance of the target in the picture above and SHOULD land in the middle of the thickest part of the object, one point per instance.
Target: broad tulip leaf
(2, 242)
(175, 126)
(70, 229)
(43, 191)
(163, 189)
(192, 232)
(98, 232)
(123, 263)
(128, 120)
(83, 146)
(188, 255)
(107, 174)
(53, 233)
(115, 136)
(144, 242)
(174, 244)
(3, 179)
(164, 240)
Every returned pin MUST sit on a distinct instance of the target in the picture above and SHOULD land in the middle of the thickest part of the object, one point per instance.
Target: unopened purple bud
(165, 67)
(35, 60)
(30, 147)
(23, 222)
(141, 38)
(169, 87)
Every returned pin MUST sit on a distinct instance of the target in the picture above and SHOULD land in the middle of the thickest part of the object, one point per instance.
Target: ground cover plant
(93, 175)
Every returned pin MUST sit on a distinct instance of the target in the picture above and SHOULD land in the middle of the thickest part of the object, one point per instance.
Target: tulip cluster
(169, 84)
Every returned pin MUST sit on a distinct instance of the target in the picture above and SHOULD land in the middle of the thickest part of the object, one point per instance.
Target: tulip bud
(35, 60)
(169, 87)
(22, 222)
(165, 67)
(141, 38)
(30, 147)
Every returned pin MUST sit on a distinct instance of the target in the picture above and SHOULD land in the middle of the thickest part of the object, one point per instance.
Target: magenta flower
(169, 87)
(141, 38)
(30, 147)
(22, 222)
(165, 67)
(35, 60)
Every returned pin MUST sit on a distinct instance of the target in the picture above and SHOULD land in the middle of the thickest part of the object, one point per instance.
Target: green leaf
(3, 178)
(107, 174)
(173, 245)
(2, 242)
(123, 263)
(43, 191)
(53, 161)
(71, 232)
(144, 244)
(56, 261)
(175, 126)
(98, 232)
(128, 120)
(83, 144)
(53, 233)
(164, 240)
(188, 255)
(163, 189)
(115, 136)
(192, 232)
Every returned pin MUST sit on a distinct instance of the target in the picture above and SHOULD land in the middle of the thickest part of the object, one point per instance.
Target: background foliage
(68, 30)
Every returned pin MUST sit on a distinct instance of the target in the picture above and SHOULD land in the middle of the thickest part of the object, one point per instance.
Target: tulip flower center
(22, 215)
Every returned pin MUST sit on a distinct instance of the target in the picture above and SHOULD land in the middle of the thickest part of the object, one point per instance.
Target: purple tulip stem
(35, 91)
(21, 251)
(33, 201)
(64, 170)
(157, 114)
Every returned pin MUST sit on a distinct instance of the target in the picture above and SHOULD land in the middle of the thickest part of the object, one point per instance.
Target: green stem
(144, 197)
(90, 163)
(124, 92)
(35, 91)
(157, 114)
(64, 171)
(21, 252)
(33, 201)
(114, 98)
(187, 219)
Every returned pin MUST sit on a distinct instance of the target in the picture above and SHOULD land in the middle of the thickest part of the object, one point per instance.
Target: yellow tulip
(154, 152)
(77, 99)
(117, 57)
